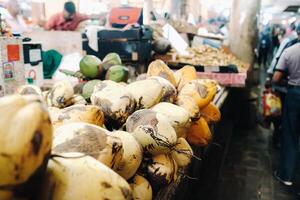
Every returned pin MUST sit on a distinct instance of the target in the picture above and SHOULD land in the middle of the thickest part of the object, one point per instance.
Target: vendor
(68, 20)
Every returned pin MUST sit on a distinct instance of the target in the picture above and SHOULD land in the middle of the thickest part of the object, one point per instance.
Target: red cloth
(58, 22)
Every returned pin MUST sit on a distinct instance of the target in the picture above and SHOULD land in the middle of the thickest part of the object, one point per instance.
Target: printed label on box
(35, 55)
(8, 71)
(13, 52)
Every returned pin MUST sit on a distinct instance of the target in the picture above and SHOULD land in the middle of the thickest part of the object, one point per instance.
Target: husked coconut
(60, 93)
(146, 92)
(162, 171)
(77, 113)
(188, 103)
(116, 102)
(185, 75)
(132, 156)
(25, 138)
(159, 68)
(29, 89)
(90, 140)
(177, 116)
(76, 176)
(141, 188)
(199, 133)
(211, 113)
(203, 92)
(169, 90)
(183, 153)
(152, 130)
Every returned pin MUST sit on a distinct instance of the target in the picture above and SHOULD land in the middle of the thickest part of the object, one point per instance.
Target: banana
(60, 93)
(25, 138)
(90, 140)
(77, 113)
(75, 176)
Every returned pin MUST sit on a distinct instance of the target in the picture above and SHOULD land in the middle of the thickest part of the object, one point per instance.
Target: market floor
(247, 173)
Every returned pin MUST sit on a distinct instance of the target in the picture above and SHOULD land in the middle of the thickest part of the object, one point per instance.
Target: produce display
(108, 140)
(209, 57)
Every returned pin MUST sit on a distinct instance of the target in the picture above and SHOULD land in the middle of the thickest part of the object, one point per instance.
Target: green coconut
(88, 88)
(111, 59)
(117, 73)
(90, 66)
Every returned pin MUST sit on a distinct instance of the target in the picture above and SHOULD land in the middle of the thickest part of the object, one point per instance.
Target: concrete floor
(248, 169)
(247, 174)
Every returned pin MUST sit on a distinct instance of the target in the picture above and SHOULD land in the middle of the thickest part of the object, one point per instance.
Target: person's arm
(281, 68)
(277, 76)
(51, 23)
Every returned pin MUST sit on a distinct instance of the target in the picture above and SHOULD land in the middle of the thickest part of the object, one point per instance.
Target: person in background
(68, 20)
(289, 63)
(280, 88)
(11, 12)
(264, 47)
(275, 39)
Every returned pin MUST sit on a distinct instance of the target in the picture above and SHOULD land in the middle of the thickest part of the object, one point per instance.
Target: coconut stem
(187, 152)
(187, 176)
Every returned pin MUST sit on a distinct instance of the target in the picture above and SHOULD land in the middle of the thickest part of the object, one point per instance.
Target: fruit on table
(88, 88)
(60, 94)
(117, 73)
(177, 116)
(89, 66)
(211, 113)
(77, 113)
(199, 133)
(116, 102)
(183, 153)
(141, 188)
(26, 138)
(185, 75)
(189, 104)
(159, 68)
(90, 140)
(29, 89)
(77, 177)
(152, 130)
(146, 92)
(111, 59)
(169, 91)
(162, 170)
(132, 156)
(203, 92)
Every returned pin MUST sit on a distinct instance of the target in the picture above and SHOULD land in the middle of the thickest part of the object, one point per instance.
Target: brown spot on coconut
(152, 130)
(90, 140)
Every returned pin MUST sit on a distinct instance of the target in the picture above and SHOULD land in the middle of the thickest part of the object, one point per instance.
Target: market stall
(114, 116)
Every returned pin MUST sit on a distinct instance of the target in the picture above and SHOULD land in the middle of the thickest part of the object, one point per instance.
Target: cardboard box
(12, 72)
(33, 62)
